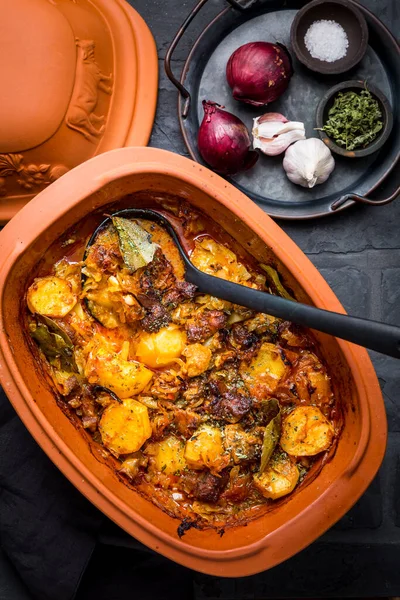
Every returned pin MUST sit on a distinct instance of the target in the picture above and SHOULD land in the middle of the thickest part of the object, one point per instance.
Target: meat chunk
(158, 274)
(194, 389)
(224, 380)
(182, 290)
(157, 315)
(231, 406)
(161, 292)
(105, 256)
(239, 486)
(243, 340)
(205, 486)
(224, 358)
(159, 425)
(131, 466)
(209, 487)
(205, 324)
(166, 386)
(242, 337)
(186, 421)
(89, 414)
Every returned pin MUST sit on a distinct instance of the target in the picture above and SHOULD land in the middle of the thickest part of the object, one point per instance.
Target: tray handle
(363, 200)
(167, 61)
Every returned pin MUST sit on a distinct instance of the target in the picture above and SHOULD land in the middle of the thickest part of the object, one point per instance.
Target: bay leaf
(135, 243)
(272, 434)
(54, 343)
(274, 277)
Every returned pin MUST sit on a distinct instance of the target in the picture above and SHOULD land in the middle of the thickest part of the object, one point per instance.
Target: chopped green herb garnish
(354, 120)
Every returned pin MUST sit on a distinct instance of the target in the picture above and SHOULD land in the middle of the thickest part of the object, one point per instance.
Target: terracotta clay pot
(290, 526)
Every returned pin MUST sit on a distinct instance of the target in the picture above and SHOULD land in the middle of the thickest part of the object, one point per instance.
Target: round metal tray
(203, 76)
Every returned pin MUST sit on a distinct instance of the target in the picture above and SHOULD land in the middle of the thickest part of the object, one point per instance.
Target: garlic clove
(273, 133)
(271, 117)
(277, 145)
(273, 128)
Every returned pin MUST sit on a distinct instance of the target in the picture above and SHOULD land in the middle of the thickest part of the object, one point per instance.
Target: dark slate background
(358, 252)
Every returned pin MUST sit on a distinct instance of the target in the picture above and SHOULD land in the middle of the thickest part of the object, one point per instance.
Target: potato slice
(279, 479)
(51, 297)
(167, 456)
(161, 348)
(205, 449)
(124, 428)
(306, 432)
(125, 378)
(320, 385)
(265, 371)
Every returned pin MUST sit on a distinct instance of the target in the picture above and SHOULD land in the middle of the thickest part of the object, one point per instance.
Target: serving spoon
(380, 337)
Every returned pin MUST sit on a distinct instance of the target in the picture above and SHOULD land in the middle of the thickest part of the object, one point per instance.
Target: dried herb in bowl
(354, 120)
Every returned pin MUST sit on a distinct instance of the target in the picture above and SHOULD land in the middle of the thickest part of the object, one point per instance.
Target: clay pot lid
(80, 79)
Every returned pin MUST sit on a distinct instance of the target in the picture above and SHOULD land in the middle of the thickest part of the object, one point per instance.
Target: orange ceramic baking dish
(146, 173)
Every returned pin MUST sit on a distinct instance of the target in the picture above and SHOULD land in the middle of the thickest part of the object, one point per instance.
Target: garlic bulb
(308, 162)
(273, 133)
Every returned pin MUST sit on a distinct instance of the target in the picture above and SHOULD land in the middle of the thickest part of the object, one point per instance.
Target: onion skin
(224, 142)
(259, 72)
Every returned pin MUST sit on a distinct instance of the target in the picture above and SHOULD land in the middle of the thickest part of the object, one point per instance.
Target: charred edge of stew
(185, 525)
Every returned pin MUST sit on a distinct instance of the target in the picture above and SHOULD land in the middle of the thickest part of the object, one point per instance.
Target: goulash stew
(211, 411)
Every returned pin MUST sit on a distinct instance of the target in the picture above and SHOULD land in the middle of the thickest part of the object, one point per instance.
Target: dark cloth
(128, 574)
(47, 528)
(55, 545)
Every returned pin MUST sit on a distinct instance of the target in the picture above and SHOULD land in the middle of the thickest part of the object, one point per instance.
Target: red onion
(224, 142)
(259, 72)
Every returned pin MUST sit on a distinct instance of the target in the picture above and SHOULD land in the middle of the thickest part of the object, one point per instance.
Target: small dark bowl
(348, 16)
(326, 103)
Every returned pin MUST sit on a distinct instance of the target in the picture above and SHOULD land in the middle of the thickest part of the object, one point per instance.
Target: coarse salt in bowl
(330, 36)
(326, 40)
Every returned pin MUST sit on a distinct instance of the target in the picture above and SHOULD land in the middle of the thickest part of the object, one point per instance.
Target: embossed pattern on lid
(79, 78)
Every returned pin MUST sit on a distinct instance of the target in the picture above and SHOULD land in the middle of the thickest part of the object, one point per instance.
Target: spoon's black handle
(370, 334)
